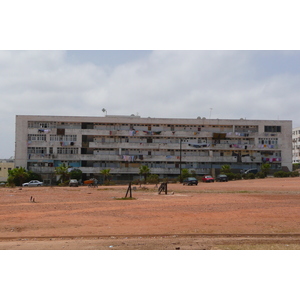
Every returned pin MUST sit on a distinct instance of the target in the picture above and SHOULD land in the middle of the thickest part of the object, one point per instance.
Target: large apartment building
(124, 143)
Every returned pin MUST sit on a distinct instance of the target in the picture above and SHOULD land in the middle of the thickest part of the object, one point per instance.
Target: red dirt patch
(189, 217)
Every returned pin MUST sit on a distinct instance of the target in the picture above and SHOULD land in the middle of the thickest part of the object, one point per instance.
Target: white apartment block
(124, 143)
(296, 145)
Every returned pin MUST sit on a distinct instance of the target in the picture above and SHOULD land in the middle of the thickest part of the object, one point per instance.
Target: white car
(33, 183)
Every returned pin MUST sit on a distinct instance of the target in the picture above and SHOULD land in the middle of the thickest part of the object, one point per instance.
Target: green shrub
(230, 175)
(261, 174)
(153, 178)
(286, 174)
(295, 174)
(237, 176)
(248, 176)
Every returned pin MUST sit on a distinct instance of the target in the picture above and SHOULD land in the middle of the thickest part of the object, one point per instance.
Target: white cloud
(182, 84)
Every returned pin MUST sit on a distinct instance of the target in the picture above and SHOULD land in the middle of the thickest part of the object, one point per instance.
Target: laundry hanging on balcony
(148, 132)
(132, 132)
(201, 145)
(129, 158)
(44, 130)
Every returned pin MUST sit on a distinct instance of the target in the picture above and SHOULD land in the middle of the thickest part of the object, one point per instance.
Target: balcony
(116, 171)
(42, 170)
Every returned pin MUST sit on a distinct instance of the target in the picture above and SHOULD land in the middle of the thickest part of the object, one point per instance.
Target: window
(63, 138)
(44, 125)
(36, 150)
(268, 141)
(36, 137)
(272, 128)
(67, 150)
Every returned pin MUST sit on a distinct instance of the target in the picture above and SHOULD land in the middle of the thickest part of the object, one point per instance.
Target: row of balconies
(208, 132)
(168, 146)
(145, 158)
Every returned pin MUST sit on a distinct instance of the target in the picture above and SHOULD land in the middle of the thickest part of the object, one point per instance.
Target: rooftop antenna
(210, 113)
(105, 111)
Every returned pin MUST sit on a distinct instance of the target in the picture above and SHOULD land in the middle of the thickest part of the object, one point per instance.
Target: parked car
(222, 177)
(253, 171)
(190, 181)
(73, 182)
(33, 183)
(208, 178)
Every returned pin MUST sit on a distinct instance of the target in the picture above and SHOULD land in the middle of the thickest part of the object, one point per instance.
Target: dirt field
(246, 214)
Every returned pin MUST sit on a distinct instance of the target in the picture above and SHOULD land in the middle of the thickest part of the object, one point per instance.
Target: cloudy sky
(179, 84)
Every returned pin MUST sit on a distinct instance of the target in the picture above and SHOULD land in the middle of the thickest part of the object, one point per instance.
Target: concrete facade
(296, 145)
(124, 143)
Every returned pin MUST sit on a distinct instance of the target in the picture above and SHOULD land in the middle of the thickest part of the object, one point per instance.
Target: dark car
(222, 177)
(190, 181)
(208, 178)
(251, 171)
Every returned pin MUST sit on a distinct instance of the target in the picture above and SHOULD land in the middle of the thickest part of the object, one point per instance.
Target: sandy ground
(246, 214)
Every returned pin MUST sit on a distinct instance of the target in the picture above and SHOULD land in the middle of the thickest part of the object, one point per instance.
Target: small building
(5, 166)
(296, 145)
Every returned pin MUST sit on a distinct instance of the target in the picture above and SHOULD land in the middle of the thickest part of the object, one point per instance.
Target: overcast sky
(179, 84)
(167, 83)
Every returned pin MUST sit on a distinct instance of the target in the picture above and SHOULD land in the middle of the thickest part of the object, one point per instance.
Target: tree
(34, 176)
(17, 176)
(153, 178)
(76, 174)
(185, 173)
(225, 169)
(144, 171)
(106, 174)
(265, 168)
(62, 170)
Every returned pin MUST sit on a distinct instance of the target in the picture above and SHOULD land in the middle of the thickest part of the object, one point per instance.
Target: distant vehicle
(190, 181)
(91, 182)
(208, 178)
(73, 182)
(33, 183)
(222, 177)
(253, 171)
